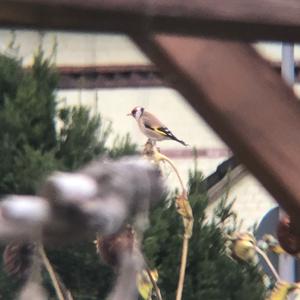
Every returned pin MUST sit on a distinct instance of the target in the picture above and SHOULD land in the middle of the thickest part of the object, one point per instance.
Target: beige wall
(272, 51)
(75, 48)
(168, 105)
(251, 201)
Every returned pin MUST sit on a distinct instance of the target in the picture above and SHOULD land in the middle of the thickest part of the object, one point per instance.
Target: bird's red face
(136, 112)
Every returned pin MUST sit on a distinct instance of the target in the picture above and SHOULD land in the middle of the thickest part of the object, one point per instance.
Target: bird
(153, 128)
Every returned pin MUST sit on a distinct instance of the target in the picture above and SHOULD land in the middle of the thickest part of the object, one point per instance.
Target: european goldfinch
(152, 127)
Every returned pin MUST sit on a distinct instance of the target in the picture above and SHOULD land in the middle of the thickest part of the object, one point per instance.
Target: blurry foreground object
(271, 244)
(111, 247)
(101, 198)
(144, 283)
(288, 237)
(282, 290)
(243, 246)
(17, 259)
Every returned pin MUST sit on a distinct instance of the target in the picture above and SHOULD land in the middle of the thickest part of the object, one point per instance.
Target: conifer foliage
(27, 131)
(211, 273)
(37, 138)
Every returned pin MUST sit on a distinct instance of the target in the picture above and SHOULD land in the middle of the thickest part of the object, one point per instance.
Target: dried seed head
(243, 247)
(17, 259)
(112, 248)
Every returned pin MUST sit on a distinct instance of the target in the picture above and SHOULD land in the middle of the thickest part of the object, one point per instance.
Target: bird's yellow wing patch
(158, 130)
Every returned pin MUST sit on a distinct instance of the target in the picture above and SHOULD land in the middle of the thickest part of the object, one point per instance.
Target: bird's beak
(129, 114)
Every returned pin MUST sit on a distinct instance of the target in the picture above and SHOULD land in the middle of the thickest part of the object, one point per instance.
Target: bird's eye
(134, 111)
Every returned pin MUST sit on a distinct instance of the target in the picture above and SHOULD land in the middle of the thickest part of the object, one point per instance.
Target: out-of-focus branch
(268, 262)
(33, 288)
(125, 287)
(101, 197)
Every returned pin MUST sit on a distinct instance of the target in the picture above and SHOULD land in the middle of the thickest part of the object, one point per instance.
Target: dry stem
(185, 243)
(185, 248)
(267, 260)
(162, 157)
(151, 151)
(51, 272)
(157, 290)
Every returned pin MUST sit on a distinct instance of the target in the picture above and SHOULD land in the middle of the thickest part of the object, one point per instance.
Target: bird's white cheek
(138, 115)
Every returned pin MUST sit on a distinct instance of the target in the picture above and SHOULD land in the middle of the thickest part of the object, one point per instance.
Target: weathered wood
(244, 20)
(245, 102)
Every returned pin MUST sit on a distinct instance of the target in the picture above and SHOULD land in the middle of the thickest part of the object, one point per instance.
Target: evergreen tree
(211, 273)
(31, 147)
(27, 132)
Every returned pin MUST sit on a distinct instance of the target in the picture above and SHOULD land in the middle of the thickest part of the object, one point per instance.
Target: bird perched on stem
(154, 129)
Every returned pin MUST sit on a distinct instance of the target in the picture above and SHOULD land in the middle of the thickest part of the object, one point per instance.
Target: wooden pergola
(237, 92)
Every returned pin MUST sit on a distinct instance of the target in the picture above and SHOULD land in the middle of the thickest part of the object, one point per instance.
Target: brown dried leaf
(184, 209)
(17, 259)
(112, 247)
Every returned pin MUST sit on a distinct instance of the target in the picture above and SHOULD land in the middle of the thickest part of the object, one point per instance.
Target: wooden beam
(244, 20)
(244, 101)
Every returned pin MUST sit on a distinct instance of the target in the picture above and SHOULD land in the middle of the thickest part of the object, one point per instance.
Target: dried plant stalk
(161, 157)
(187, 216)
(184, 254)
(51, 272)
(156, 288)
(268, 262)
(183, 208)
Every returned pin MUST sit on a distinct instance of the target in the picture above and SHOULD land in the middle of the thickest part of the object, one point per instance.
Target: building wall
(78, 49)
(251, 201)
(169, 106)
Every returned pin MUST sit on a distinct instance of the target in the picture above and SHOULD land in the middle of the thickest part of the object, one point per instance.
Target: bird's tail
(181, 142)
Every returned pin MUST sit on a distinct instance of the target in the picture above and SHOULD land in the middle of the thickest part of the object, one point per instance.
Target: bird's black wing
(161, 130)
(167, 132)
